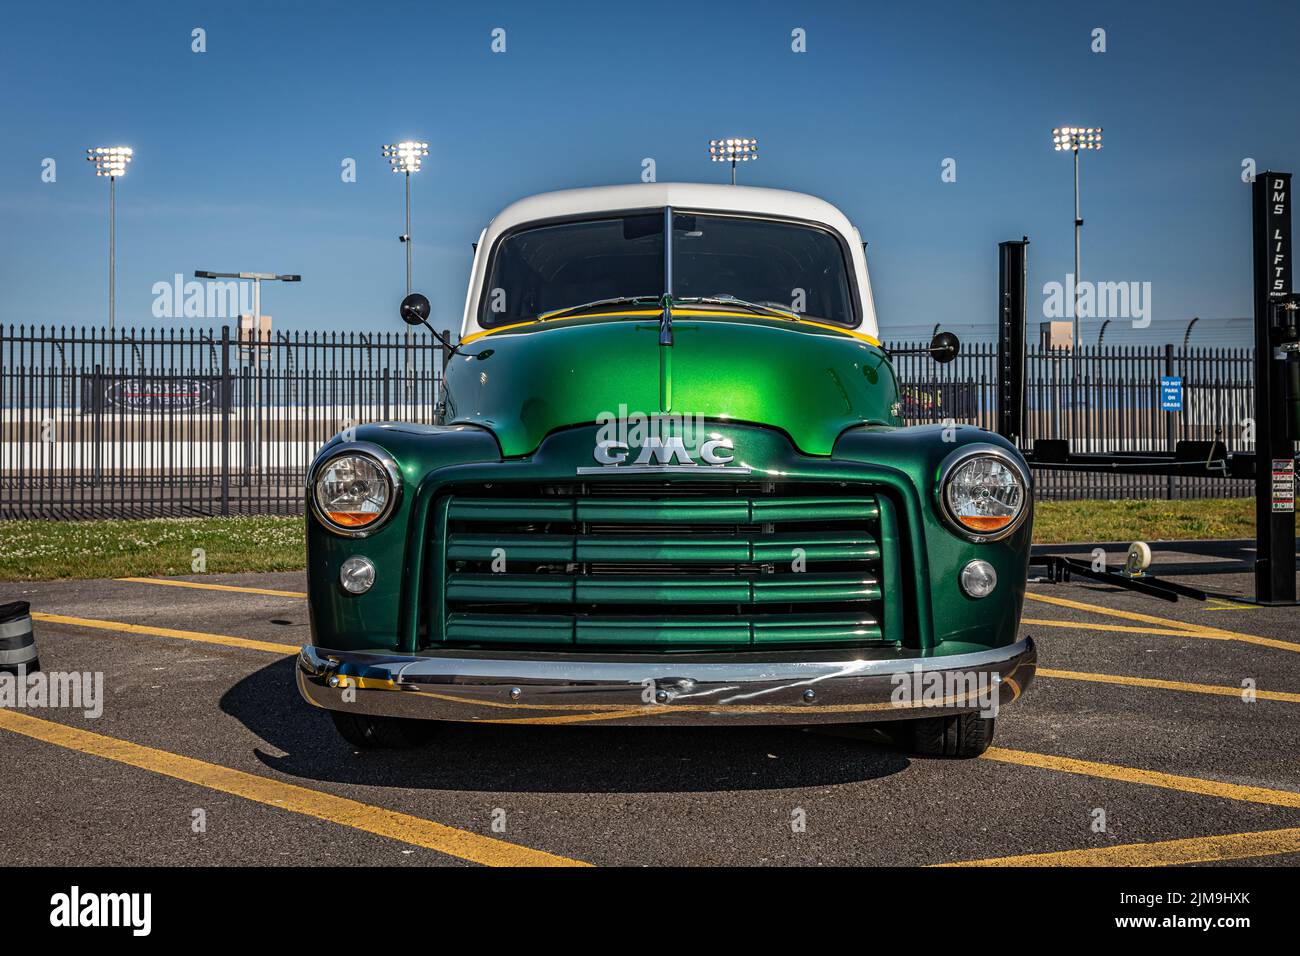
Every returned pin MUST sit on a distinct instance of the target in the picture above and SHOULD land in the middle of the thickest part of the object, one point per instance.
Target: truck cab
(667, 483)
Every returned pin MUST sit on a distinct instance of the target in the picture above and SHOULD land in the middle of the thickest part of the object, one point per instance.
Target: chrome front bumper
(665, 689)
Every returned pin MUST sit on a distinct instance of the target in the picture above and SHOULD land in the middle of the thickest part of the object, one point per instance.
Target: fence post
(227, 404)
(100, 401)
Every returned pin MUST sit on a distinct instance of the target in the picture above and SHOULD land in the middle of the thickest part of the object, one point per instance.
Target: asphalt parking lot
(1134, 746)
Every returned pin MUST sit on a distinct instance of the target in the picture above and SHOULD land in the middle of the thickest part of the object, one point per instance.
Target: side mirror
(944, 347)
(415, 309)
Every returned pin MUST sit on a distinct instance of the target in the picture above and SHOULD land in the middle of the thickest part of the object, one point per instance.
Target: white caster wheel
(1139, 557)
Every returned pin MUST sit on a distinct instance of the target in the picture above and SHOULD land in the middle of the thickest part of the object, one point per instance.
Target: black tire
(957, 735)
(382, 733)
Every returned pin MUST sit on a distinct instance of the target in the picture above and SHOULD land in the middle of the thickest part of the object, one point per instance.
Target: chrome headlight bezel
(959, 458)
(387, 467)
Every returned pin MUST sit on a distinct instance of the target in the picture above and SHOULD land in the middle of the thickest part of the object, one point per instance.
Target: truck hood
(807, 381)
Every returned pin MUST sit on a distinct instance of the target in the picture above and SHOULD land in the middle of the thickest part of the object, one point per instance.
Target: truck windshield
(547, 268)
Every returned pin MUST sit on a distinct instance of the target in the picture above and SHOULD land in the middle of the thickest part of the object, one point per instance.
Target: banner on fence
(150, 393)
(935, 401)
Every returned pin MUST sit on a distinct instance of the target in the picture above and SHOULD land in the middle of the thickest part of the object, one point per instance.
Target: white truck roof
(704, 197)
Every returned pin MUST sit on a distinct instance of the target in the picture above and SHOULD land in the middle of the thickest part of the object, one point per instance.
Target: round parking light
(357, 575)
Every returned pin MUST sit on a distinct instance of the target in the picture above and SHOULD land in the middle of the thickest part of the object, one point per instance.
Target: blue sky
(239, 149)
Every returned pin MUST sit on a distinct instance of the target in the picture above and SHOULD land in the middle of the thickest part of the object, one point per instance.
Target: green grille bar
(822, 628)
(648, 589)
(667, 510)
(815, 509)
(509, 629)
(685, 550)
(816, 546)
(645, 631)
(511, 509)
(652, 631)
(634, 589)
(785, 588)
(511, 588)
(685, 510)
(689, 549)
(525, 547)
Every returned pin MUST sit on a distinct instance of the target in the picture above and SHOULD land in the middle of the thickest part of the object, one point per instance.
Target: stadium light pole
(406, 157)
(733, 151)
(1074, 139)
(111, 161)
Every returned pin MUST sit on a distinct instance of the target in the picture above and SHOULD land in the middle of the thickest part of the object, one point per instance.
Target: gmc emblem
(664, 454)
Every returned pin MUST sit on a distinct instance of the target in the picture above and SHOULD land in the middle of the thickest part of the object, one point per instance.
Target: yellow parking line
(1110, 611)
(170, 582)
(1218, 690)
(223, 639)
(1222, 604)
(1150, 778)
(1230, 846)
(416, 831)
(1181, 627)
(1094, 626)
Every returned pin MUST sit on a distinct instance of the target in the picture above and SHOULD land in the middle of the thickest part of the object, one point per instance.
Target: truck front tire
(382, 733)
(954, 735)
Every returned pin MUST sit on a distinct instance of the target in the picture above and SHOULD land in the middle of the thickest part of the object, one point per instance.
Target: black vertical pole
(1012, 261)
(225, 410)
(1274, 444)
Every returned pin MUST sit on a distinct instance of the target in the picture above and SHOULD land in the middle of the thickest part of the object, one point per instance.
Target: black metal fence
(190, 422)
(1100, 399)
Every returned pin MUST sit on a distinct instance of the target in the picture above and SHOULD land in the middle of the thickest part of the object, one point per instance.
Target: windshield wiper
(733, 302)
(599, 303)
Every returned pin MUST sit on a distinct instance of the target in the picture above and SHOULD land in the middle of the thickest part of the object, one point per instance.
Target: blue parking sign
(1171, 393)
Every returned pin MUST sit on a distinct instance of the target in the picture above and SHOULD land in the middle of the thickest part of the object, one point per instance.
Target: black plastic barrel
(17, 642)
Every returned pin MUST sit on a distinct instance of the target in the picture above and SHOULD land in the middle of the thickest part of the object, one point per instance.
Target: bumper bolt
(515, 693)
(810, 695)
(334, 681)
(662, 696)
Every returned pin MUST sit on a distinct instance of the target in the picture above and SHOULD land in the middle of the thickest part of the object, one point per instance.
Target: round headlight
(353, 492)
(984, 495)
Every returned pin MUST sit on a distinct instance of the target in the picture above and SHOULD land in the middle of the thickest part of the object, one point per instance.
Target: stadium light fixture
(733, 151)
(407, 156)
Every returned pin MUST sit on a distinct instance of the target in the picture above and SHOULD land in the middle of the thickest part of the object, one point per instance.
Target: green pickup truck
(668, 484)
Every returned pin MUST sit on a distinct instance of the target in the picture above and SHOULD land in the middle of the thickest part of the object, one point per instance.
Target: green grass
(43, 550)
(1145, 520)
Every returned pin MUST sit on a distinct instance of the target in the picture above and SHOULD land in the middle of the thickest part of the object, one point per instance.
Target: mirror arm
(924, 350)
(943, 348)
(446, 342)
